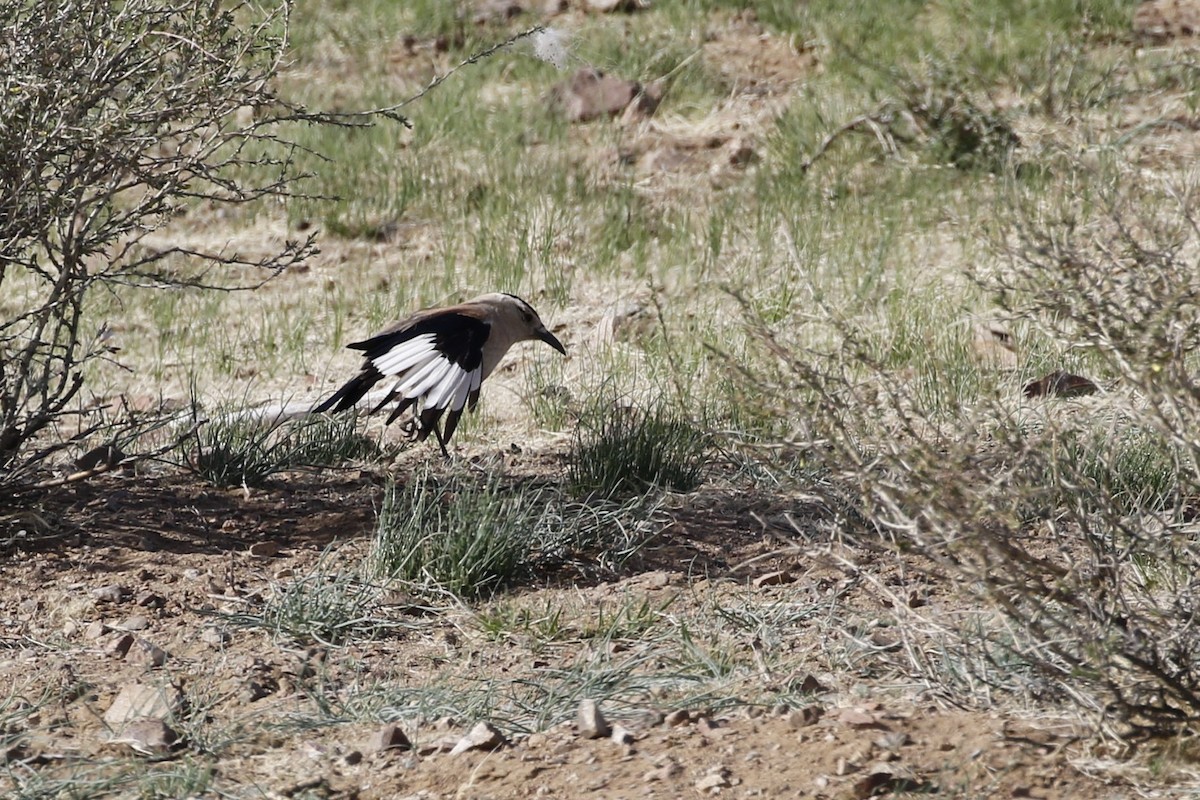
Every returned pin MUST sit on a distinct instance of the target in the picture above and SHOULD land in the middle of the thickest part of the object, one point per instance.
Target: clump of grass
(626, 449)
(233, 450)
(471, 539)
(474, 538)
(1133, 469)
(326, 606)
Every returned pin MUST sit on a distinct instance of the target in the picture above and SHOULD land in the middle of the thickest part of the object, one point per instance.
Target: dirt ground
(157, 583)
(164, 561)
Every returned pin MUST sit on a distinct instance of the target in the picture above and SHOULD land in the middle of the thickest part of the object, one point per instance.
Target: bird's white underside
(425, 372)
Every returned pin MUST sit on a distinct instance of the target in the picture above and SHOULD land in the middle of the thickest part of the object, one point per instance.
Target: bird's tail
(351, 392)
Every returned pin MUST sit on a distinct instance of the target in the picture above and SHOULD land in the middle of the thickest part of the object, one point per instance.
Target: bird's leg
(437, 432)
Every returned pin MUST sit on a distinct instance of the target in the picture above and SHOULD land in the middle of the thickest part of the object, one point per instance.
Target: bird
(438, 358)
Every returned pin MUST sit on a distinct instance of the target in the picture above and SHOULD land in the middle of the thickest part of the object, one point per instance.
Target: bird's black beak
(550, 339)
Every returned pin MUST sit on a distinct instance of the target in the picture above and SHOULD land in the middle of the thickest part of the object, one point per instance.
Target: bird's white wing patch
(407, 355)
(418, 375)
(463, 389)
(456, 382)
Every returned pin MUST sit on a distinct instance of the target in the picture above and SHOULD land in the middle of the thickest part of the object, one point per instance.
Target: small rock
(120, 645)
(146, 654)
(134, 623)
(589, 722)
(94, 630)
(151, 600)
(717, 779)
(776, 578)
(590, 94)
(214, 636)
(265, 549)
(857, 718)
(663, 772)
(253, 691)
(803, 717)
(621, 735)
(680, 716)
(389, 737)
(484, 736)
(443, 744)
(810, 685)
(892, 740)
(147, 735)
(137, 700)
(878, 777)
(353, 757)
(108, 594)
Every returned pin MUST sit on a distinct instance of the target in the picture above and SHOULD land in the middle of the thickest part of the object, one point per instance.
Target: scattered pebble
(146, 654)
(134, 623)
(151, 600)
(136, 700)
(621, 735)
(120, 645)
(147, 735)
(484, 736)
(669, 769)
(389, 737)
(108, 594)
(589, 722)
(680, 716)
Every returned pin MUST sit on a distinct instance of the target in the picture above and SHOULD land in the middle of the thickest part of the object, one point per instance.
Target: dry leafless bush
(113, 117)
(1073, 519)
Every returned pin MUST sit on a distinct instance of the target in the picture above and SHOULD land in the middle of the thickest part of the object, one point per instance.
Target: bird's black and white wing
(437, 362)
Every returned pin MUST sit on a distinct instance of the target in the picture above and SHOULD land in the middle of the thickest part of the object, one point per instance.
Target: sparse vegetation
(236, 449)
(792, 468)
(622, 448)
(473, 537)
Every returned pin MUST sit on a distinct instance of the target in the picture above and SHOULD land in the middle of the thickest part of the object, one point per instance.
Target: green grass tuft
(236, 451)
(619, 449)
(472, 538)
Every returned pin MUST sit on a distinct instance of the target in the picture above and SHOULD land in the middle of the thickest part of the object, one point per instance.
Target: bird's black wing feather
(457, 337)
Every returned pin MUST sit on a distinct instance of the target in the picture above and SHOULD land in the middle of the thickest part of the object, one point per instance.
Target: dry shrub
(1072, 522)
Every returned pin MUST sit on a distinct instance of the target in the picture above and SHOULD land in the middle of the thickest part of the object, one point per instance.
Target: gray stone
(147, 735)
(484, 736)
(146, 654)
(120, 645)
(389, 737)
(137, 700)
(108, 594)
(589, 722)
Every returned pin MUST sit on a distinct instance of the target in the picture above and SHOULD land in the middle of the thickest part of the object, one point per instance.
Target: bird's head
(519, 318)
